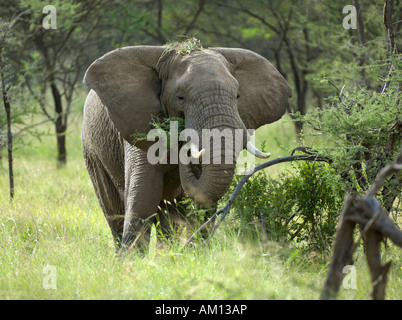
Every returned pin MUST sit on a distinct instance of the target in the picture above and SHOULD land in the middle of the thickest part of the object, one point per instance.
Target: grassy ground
(55, 221)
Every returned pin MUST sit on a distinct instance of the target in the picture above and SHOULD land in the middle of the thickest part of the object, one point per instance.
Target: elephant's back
(101, 141)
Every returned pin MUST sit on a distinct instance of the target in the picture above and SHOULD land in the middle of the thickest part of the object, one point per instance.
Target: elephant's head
(215, 88)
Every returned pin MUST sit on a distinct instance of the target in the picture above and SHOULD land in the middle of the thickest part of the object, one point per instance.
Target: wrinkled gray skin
(217, 88)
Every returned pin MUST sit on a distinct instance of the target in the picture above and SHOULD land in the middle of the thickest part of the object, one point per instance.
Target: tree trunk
(61, 126)
(301, 86)
(61, 144)
(360, 24)
(7, 108)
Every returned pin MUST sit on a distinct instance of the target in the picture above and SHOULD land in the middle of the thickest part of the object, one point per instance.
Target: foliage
(165, 124)
(364, 126)
(162, 124)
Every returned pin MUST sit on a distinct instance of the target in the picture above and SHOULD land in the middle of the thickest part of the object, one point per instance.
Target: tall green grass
(55, 220)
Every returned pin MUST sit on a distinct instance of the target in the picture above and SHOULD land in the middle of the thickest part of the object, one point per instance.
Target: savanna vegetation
(277, 239)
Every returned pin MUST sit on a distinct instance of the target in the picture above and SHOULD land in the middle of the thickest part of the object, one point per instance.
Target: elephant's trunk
(208, 181)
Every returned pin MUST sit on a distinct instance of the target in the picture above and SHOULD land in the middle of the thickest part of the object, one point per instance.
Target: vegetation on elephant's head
(185, 47)
(177, 49)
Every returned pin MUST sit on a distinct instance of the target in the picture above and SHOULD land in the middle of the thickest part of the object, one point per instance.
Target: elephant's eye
(181, 98)
(238, 96)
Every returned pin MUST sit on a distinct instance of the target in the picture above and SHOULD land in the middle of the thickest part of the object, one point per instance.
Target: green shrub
(301, 205)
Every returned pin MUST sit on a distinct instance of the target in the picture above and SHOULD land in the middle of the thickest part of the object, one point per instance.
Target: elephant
(214, 88)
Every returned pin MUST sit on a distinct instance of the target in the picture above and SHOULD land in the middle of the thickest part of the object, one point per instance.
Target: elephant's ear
(263, 92)
(128, 85)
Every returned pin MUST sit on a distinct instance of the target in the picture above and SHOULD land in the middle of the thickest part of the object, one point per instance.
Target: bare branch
(32, 126)
(254, 15)
(225, 210)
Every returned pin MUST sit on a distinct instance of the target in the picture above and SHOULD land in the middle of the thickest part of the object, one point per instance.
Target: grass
(184, 47)
(55, 220)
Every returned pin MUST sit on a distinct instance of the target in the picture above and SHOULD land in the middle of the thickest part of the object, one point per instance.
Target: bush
(301, 205)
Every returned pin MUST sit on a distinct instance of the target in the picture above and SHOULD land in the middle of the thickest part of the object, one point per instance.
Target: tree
(6, 94)
(4, 33)
(53, 60)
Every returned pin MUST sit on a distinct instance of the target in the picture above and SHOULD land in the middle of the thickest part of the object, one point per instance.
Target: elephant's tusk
(194, 151)
(253, 150)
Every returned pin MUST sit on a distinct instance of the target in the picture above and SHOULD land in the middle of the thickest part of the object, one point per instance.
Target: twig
(30, 126)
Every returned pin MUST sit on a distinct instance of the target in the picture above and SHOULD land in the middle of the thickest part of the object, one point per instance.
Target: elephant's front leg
(143, 192)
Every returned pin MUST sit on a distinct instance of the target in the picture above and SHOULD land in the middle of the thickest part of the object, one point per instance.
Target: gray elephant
(214, 88)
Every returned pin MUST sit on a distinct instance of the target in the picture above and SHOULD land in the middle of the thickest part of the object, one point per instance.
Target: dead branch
(375, 224)
(225, 210)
